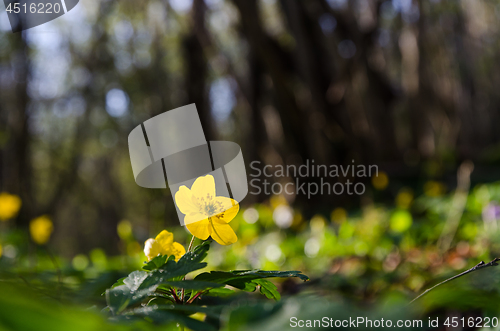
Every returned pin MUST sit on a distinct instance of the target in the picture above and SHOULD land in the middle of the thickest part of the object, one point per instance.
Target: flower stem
(191, 244)
(189, 250)
(175, 296)
(195, 297)
(478, 266)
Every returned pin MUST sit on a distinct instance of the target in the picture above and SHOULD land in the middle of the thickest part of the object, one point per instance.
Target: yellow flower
(434, 189)
(380, 181)
(41, 229)
(404, 198)
(207, 214)
(9, 205)
(163, 244)
(339, 215)
(124, 230)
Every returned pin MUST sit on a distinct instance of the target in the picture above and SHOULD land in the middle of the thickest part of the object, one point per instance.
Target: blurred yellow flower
(338, 215)
(317, 224)
(207, 214)
(163, 244)
(277, 200)
(0, 250)
(41, 229)
(9, 205)
(434, 189)
(124, 230)
(134, 248)
(380, 181)
(404, 198)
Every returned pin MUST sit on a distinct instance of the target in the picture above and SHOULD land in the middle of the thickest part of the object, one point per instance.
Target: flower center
(209, 207)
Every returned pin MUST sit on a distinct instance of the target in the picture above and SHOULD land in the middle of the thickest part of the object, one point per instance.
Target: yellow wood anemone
(9, 205)
(205, 213)
(163, 244)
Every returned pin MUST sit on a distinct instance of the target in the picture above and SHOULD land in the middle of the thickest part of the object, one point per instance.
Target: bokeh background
(408, 85)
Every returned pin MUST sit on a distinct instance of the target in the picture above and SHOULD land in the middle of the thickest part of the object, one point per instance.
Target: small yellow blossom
(9, 205)
(163, 244)
(380, 181)
(207, 214)
(434, 189)
(404, 198)
(338, 215)
(124, 230)
(133, 248)
(0, 250)
(41, 229)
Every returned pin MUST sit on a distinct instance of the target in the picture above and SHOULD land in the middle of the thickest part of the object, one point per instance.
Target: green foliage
(360, 256)
(248, 280)
(161, 294)
(157, 262)
(21, 309)
(167, 315)
(268, 289)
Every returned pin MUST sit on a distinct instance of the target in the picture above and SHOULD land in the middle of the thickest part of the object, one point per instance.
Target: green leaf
(240, 278)
(118, 298)
(191, 285)
(163, 316)
(118, 282)
(157, 262)
(138, 285)
(159, 300)
(172, 270)
(212, 311)
(121, 297)
(135, 279)
(17, 302)
(246, 314)
(271, 273)
(134, 290)
(244, 285)
(219, 292)
(247, 280)
(268, 289)
(197, 254)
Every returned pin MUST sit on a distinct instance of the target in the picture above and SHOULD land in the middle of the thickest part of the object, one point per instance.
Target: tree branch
(478, 266)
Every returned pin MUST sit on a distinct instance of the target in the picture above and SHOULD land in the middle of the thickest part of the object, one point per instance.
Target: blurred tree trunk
(315, 73)
(378, 142)
(16, 163)
(196, 68)
(277, 63)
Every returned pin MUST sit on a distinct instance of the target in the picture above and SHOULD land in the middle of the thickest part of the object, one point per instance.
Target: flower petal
(197, 225)
(178, 250)
(204, 187)
(223, 233)
(41, 229)
(230, 207)
(184, 200)
(165, 239)
(152, 248)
